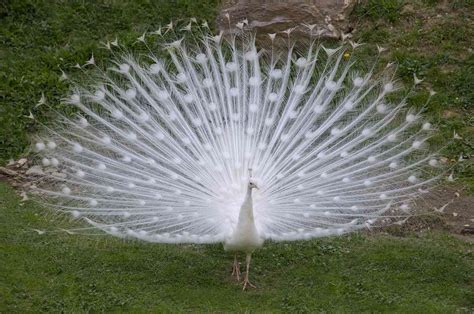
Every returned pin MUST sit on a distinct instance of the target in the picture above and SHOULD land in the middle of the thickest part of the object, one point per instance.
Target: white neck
(246, 211)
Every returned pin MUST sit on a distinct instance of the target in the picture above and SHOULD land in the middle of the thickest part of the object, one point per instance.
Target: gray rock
(35, 170)
(329, 17)
(21, 162)
(8, 172)
(59, 175)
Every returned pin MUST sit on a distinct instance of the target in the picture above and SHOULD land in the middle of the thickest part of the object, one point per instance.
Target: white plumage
(160, 151)
(245, 237)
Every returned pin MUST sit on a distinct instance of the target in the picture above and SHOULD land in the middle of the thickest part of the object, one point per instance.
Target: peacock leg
(246, 279)
(236, 268)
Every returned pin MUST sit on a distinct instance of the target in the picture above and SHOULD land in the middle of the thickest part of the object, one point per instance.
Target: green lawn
(72, 273)
(360, 272)
(38, 39)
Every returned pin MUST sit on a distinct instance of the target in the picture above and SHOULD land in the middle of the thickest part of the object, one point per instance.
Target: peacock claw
(246, 279)
(247, 282)
(236, 271)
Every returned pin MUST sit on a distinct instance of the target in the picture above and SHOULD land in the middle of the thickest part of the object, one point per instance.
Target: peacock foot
(247, 283)
(236, 271)
(236, 268)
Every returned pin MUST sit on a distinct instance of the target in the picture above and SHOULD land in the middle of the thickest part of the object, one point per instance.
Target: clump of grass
(388, 10)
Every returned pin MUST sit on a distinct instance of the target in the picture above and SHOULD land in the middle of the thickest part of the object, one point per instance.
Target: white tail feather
(160, 151)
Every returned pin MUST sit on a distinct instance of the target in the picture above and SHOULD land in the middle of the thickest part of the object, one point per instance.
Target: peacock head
(252, 185)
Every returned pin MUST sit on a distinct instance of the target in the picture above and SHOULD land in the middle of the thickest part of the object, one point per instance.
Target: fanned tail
(160, 151)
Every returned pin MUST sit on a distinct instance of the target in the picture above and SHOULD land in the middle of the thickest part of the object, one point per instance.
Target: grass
(38, 39)
(57, 272)
(432, 39)
(377, 9)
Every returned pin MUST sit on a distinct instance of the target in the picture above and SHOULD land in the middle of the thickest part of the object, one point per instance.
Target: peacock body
(161, 151)
(245, 236)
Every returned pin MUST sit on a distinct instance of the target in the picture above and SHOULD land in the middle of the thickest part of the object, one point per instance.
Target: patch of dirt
(461, 217)
(448, 114)
(3, 178)
(447, 208)
(457, 208)
(16, 173)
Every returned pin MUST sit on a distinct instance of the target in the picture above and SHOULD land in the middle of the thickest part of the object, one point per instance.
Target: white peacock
(161, 152)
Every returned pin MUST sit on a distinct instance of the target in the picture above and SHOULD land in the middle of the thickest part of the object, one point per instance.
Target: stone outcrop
(327, 18)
